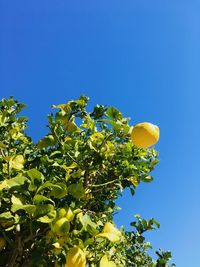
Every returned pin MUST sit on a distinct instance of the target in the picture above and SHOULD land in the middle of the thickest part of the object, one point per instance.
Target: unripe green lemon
(145, 134)
(61, 226)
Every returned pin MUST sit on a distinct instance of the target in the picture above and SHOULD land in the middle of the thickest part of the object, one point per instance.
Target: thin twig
(110, 182)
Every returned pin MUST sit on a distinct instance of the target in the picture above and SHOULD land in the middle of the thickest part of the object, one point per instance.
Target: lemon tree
(57, 196)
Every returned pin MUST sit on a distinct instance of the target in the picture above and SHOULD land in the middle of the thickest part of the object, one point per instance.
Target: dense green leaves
(61, 192)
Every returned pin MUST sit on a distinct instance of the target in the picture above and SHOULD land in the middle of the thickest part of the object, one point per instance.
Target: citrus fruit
(145, 134)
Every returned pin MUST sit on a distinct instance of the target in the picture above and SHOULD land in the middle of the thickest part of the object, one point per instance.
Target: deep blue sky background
(142, 57)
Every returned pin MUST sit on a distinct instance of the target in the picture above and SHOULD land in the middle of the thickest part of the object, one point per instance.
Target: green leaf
(16, 201)
(71, 127)
(47, 141)
(36, 178)
(3, 185)
(76, 190)
(147, 179)
(117, 125)
(65, 107)
(45, 213)
(40, 198)
(88, 225)
(60, 191)
(89, 123)
(113, 113)
(2, 145)
(48, 185)
(7, 221)
(3, 120)
(91, 228)
(6, 216)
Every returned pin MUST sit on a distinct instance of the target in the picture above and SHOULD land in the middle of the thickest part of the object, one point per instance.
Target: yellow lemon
(110, 232)
(145, 134)
(75, 258)
(2, 243)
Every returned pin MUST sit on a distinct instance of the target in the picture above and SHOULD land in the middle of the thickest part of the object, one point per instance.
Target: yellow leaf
(75, 258)
(17, 162)
(134, 181)
(97, 136)
(79, 216)
(71, 127)
(57, 245)
(3, 185)
(68, 139)
(112, 237)
(110, 232)
(106, 263)
(64, 107)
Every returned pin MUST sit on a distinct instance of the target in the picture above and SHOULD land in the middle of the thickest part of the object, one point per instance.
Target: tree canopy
(58, 196)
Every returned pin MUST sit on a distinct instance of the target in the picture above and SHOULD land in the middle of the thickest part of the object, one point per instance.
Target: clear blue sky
(142, 57)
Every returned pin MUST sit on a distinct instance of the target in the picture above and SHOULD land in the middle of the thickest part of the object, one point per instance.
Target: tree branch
(18, 248)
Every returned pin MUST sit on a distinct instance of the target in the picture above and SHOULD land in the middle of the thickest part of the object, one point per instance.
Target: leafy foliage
(58, 196)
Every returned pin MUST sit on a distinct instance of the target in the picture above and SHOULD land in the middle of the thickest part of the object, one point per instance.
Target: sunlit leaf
(17, 162)
(113, 113)
(3, 185)
(16, 181)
